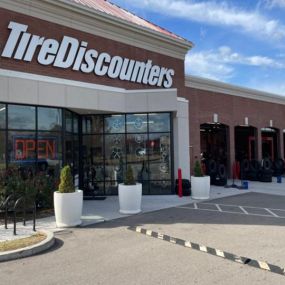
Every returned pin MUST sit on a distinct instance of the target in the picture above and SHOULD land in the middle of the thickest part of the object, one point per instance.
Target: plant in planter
(68, 202)
(200, 184)
(130, 194)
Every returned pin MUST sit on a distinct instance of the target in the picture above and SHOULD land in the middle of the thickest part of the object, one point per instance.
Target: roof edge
(179, 40)
(98, 23)
(234, 90)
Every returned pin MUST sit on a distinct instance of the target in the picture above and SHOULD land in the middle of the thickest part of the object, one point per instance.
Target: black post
(24, 212)
(6, 217)
(34, 217)
(15, 221)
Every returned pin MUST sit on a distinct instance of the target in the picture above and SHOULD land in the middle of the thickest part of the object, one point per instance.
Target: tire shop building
(89, 84)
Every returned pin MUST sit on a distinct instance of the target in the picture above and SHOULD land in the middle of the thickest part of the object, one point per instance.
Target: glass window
(68, 121)
(2, 116)
(21, 117)
(137, 123)
(2, 150)
(114, 157)
(115, 124)
(159, 156)
(136, 147)
(49, 119)
(159, 122)
(68, 150)
(22, 148)
(92, 124)
(49, 148)
(160, 187)
(93, 157)
(75, 123)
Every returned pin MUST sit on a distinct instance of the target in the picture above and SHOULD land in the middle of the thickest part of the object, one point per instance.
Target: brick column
(281, 143)
(232, 149)
(259, 144)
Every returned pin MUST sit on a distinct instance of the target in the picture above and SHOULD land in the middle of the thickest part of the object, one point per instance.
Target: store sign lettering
(71, 53)
(25, 148)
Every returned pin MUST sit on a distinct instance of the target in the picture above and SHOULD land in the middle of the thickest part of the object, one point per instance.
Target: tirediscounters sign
(70, 53)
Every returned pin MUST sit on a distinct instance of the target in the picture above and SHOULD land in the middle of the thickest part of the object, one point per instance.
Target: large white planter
(200, 187)
(68, 208)
(130, 197)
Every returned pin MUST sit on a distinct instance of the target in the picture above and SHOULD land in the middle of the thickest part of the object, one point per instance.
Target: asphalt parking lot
(249, 225)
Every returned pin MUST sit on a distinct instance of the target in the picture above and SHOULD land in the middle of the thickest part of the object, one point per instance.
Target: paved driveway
(109, 253)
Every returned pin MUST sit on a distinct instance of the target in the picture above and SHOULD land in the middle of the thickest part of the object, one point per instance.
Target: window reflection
(49, 119)
(92, 124)
(22, 148)
(2, 116)
(115, 159)
(49, 151)
(137, 123)
(159, 156)
(159, 122)
(2, 150)
(115, 124)
(68, 121)
(75, 123)
(21, 117)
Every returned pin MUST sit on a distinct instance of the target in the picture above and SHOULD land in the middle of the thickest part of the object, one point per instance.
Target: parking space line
(219, 208)
(231, 212)
(212, 251)
(243, 210)
(273, 214)
(195, 206)
(243, 206)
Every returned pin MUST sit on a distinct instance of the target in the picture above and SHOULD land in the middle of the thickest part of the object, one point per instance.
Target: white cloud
(204, 64)
(275, 3)
(220, 64)
(214, 13)
(275, 87)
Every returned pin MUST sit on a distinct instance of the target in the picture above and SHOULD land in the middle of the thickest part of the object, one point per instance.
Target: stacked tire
(278, 167)
(245, 169)
(217, 173)
(266, 171)
(254, 170)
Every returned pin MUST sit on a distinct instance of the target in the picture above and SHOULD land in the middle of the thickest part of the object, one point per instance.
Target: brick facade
(231, 111)
(55, 31)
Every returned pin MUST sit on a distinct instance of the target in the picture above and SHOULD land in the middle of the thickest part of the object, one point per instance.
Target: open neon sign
(25, 147)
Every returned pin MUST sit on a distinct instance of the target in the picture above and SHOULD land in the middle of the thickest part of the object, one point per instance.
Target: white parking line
(273, 214)
(252, 207)
(219, 208)
(243, 210)
(270, 214)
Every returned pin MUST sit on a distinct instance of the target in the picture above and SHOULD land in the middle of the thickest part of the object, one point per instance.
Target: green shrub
(197, 169)
(66, 181)
(34, 186)
(129, 179)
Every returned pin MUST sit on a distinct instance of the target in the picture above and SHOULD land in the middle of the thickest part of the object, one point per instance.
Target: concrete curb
(30, 250)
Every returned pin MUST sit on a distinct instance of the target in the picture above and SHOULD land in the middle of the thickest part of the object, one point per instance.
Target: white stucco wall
(24, 88)
(181, 138)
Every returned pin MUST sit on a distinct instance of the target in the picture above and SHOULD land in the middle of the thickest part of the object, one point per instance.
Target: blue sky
(241, 42)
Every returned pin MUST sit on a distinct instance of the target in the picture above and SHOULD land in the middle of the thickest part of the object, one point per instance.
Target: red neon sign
(25, 148)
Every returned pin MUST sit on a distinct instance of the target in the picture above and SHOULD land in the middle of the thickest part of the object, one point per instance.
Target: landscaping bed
(22, 242)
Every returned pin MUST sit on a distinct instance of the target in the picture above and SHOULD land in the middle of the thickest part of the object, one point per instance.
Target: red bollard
(180, 182)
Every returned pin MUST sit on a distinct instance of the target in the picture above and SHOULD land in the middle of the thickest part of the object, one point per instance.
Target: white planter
(130, 197)
(200, 187)
(68, 208)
